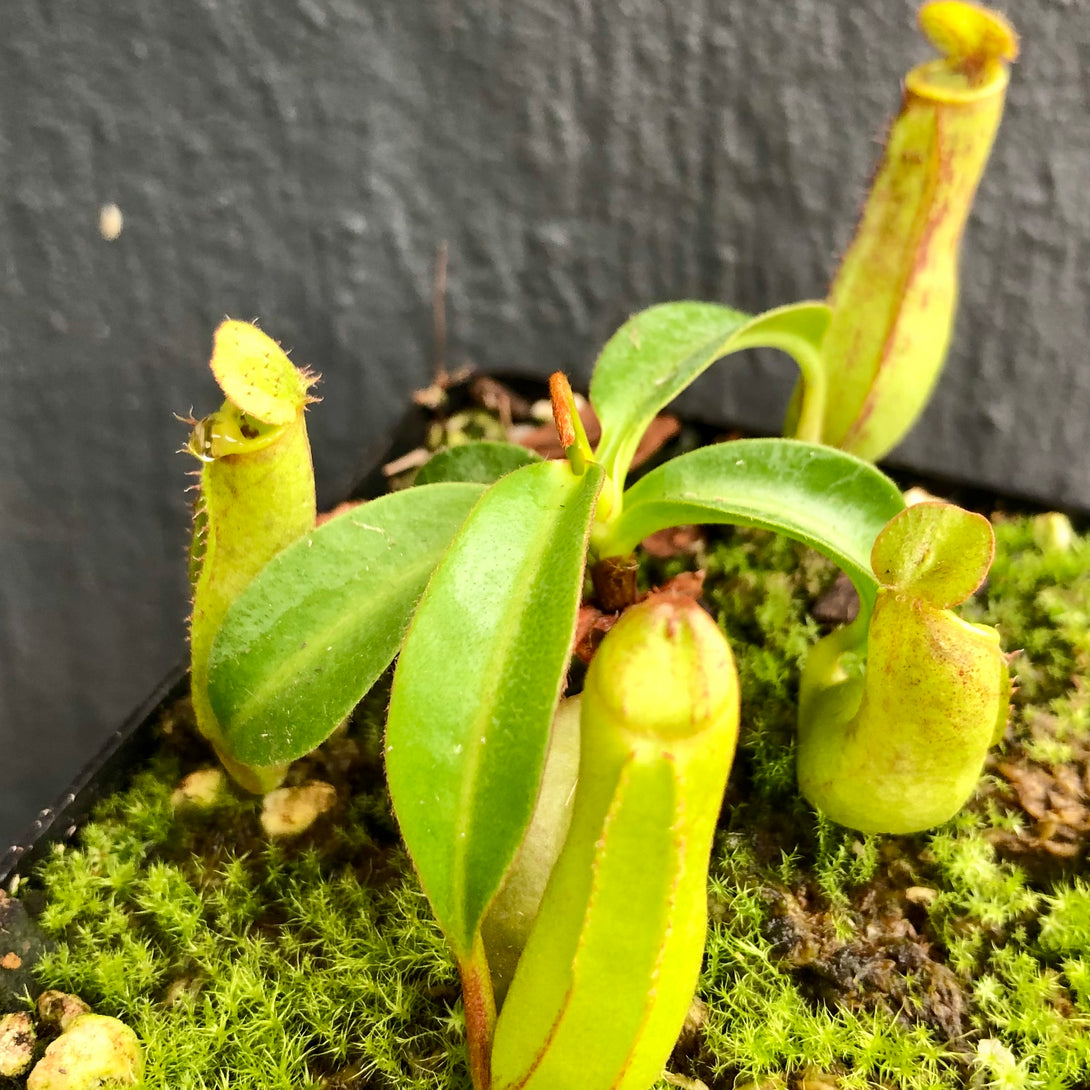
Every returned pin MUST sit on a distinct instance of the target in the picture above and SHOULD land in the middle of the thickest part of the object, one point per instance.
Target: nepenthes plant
(563, 844)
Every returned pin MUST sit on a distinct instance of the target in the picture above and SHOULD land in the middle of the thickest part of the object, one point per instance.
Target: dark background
(299, 161)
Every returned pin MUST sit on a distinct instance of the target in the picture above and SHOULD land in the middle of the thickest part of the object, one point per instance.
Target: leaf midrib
(311, 651)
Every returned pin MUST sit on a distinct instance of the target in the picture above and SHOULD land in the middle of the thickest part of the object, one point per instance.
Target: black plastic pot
(105, 772)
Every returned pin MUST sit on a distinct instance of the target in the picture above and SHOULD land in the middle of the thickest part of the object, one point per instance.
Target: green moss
(954, 959)
(1039, 599)
(277, 966)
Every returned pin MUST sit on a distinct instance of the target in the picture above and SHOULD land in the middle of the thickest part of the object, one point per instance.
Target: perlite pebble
(16, 1043)
(60, 1009)
(93, 1050)
(202, 789)
(1053, 532)
(289, 811)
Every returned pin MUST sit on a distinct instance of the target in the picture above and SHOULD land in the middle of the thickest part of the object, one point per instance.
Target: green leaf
(483, 462)
(936, 552)
(477, 683)
(832, 501)
(660, 351)
(314, 630)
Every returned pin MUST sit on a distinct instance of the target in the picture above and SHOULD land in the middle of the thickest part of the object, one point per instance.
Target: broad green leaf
(936, 552)
(477, 683)
(314, 630)
(660, 351)
(832, 501)
(483, 462)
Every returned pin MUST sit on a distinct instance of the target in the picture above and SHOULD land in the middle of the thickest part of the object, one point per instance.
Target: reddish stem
(480, 1006)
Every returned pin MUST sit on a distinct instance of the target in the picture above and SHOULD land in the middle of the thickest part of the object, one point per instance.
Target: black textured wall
(299, 161)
